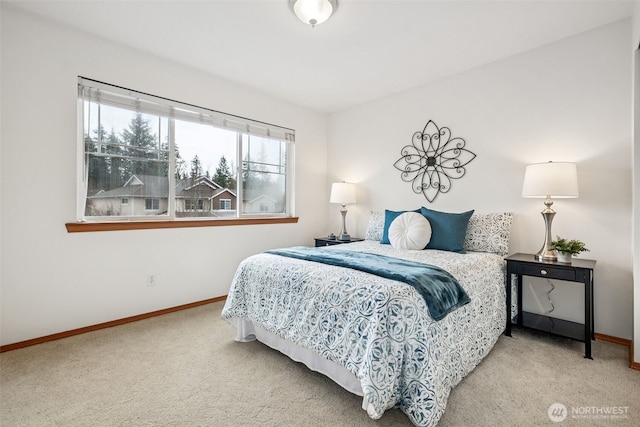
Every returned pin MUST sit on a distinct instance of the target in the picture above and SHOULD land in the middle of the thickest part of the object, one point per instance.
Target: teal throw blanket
(440, 290)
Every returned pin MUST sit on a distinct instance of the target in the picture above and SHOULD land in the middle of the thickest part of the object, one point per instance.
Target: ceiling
(369, 48)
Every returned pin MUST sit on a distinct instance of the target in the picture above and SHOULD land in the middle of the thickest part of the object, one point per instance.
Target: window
(225, 204)
(152, 204)
(191, 204)
(164, 159)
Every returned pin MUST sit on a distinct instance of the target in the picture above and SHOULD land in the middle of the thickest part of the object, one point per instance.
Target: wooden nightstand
(323, 241)
(580, 270)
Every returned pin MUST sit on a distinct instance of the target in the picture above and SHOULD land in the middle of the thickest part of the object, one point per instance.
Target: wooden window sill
(79, 227)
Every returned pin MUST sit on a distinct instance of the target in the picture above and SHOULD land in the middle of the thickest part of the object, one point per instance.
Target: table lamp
(547, 180)
(343, 193)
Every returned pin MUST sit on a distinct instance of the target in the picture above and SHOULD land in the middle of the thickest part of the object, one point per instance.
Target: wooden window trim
(79, 227)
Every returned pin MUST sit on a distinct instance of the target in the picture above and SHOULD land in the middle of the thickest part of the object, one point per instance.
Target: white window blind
(106, 94)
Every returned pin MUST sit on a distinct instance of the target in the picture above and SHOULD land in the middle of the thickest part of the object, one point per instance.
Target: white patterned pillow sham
(485, 233)
(489, 233)
(375, 226)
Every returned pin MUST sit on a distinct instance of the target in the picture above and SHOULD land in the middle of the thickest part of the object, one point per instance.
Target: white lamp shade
(553, 179)
(343, 193)
(313, 12)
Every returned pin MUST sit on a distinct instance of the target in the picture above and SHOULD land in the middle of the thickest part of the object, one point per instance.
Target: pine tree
(181, 165)
(141, 143)
(105, 172)
(223, 176)
(115, 168)
(97, 173)
(196, 167)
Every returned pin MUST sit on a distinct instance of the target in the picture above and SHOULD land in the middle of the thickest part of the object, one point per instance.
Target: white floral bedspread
(380, 330)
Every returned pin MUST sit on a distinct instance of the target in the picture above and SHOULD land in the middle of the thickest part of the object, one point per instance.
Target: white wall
(54, 281)
(635, 41)
(567, 101)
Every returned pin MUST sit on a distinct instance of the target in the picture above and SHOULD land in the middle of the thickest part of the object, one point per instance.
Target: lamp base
(546, 254)
(344, 237)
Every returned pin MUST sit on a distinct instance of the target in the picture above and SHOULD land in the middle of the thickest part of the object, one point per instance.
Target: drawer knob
(543, 272)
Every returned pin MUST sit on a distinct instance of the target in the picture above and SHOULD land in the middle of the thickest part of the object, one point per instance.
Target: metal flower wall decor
(433, 160)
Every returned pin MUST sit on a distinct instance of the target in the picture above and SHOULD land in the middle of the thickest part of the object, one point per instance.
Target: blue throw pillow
(448, 230)
(389, 216)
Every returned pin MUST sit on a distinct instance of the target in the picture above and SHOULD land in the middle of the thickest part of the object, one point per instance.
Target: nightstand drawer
(325, 242)
(546, 271)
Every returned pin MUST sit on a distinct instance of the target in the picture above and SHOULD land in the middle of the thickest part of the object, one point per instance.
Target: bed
(372, 335)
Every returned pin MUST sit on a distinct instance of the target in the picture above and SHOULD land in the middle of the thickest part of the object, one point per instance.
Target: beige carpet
(184, 369)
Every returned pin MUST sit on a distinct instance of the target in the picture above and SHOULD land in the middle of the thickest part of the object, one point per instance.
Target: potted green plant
(567, 248)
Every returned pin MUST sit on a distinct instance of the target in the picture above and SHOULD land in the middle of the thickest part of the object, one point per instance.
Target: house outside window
(164, 159)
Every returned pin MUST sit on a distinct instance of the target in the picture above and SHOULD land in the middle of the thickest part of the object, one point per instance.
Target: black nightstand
(580, 270)
(323, 241)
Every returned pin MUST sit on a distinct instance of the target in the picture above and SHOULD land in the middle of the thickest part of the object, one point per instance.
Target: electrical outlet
(152, 280)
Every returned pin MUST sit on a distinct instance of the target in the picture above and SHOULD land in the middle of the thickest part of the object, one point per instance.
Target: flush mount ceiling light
(313, 12)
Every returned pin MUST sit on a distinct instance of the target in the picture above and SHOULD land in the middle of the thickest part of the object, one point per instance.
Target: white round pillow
(410, 230)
